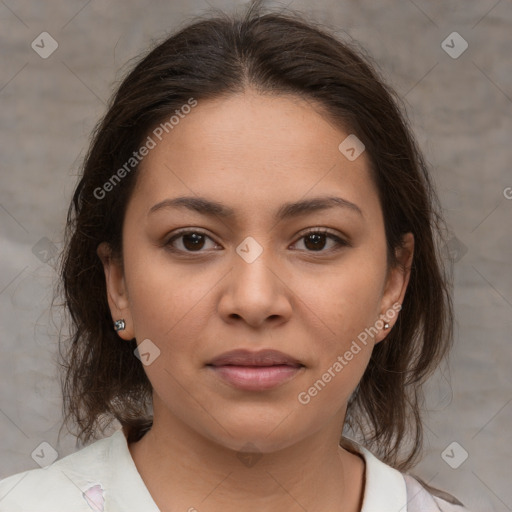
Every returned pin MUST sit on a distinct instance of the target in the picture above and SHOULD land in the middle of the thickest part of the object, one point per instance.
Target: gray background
(460, 109)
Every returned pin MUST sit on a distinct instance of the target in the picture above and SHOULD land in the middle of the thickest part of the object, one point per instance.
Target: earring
(386, 326)
(119, 325)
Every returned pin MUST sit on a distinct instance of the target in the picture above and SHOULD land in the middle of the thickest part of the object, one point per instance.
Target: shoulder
(422, 496)
(389, 490)
(72, 482)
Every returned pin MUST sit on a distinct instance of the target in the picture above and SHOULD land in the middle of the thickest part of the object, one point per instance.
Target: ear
(116, 290)
(396, 285)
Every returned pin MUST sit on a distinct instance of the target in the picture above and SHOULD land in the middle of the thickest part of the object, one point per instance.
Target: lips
(255, 371)
(261, 358)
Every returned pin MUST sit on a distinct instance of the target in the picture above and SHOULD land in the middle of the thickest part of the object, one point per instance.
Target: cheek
(331, 386)
(348, 301)
(163, 297)
(342, 355)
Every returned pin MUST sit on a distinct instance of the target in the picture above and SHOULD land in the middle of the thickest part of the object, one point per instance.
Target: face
(244, 269)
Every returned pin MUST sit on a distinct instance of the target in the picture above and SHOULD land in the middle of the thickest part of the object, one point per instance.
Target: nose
(256, 292)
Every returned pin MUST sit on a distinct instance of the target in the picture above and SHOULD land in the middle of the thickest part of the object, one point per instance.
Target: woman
(251, 269)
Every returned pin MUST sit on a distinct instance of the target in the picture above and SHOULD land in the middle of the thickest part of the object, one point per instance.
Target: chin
(260, 434)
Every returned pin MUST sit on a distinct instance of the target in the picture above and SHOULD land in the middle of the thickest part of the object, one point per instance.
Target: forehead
(255, 150)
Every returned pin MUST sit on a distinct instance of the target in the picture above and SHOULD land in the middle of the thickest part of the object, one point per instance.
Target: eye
(192, 241)
(315, 240)
(195, 240)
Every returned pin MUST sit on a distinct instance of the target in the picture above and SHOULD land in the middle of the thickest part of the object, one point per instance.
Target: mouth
(255, 371)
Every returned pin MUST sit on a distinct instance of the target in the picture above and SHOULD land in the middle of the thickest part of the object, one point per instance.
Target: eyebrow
(286, 211)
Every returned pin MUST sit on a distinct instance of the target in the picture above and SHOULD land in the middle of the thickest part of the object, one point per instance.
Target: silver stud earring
(119, 325)
(386, 326)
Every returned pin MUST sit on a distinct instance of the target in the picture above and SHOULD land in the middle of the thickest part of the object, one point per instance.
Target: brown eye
(194, 241)
(315, 241)
(191, 241)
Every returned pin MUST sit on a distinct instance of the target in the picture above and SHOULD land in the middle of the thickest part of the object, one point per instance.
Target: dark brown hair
(274, 53)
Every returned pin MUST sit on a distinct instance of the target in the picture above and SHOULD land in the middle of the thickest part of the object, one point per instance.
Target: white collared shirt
(103, 477)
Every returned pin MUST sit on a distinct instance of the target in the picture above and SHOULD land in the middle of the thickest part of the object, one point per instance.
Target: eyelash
(339, 241)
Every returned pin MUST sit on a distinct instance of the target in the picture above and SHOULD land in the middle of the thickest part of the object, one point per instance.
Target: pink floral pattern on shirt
(94, 497)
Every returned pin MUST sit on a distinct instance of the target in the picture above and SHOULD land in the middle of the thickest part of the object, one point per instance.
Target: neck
(184, 470)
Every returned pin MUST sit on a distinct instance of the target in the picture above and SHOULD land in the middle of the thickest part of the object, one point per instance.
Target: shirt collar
(128, 490)
(385, 489)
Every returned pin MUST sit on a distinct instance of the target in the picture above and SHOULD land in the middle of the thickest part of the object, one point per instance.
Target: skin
(252, 153)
